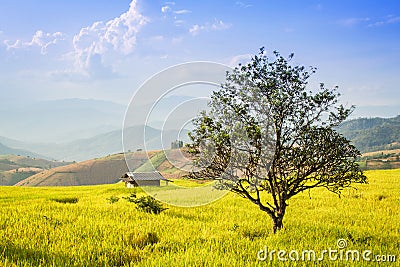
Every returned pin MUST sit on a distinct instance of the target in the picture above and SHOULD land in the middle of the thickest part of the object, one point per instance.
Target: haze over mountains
(81, 129)
(5, 150)
(60, 120)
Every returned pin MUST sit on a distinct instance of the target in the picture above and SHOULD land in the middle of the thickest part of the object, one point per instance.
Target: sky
(101, 49)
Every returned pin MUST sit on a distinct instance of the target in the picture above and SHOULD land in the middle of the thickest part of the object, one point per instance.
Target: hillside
(102, 144)
(14, 169)
(382, 159)
(6, 150)
(367, 134)
(109, 169)
(373, 134)
(96, 171)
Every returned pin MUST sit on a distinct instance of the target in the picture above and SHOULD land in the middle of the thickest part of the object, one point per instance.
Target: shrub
(113, 199)
(65, 200)
(143, 240)
(147, 204)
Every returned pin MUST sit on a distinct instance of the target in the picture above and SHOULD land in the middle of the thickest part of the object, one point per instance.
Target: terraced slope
(109, 169)
(15, 168)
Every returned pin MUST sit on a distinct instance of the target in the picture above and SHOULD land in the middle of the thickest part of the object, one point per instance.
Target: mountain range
(82, 129)
(368, 134)
(372, 134)
(63, 120)
(5, 150)
(99, 145)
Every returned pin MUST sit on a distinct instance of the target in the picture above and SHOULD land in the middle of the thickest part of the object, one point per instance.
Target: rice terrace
(41, 226)
(199, 133)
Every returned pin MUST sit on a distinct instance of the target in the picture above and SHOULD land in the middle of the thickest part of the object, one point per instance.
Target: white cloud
(40, 39)
(217, 25)
(89, 49)
(182, 11)
(353, 21)
(388, 20)
(115, 36)
(179, 22)
(195, 29)
(350, 22)
(243, 59)
(170, 12)
(165, 9)
(243, 5)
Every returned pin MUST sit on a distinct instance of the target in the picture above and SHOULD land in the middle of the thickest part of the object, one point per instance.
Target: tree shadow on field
(20, 256)
(31, 257)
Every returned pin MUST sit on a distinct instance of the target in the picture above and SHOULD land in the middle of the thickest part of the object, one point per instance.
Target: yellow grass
(39, 227)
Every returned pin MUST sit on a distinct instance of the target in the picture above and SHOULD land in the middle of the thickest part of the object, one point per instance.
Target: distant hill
(382, 159)
(102, 144)
(109, 169)
(15, 168)
(373, 134)
(67, 120)
(367, 134)
(62, 120)
(5, 150)
(96, 171)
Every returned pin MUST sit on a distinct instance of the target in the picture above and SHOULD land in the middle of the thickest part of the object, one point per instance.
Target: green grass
(35, 230)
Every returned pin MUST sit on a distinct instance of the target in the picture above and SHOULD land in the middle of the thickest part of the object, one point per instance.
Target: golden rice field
(82, 226)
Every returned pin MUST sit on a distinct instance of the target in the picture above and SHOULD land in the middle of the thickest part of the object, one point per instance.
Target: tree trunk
(277, 218)
(278, 223)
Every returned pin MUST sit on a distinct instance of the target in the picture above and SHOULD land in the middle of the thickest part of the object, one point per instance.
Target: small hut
(133, 179)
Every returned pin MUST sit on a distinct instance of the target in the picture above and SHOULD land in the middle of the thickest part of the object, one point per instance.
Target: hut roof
(142, 176)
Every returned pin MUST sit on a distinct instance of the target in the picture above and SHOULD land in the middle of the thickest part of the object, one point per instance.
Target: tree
(268, 138)
(176, 144)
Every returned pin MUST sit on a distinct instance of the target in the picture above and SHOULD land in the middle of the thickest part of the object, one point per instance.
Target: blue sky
(105, 49)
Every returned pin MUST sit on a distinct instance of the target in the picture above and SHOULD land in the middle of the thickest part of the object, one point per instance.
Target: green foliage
(266, 132)
(146, 203)
(176, 144)
(113, 199)
(66, 200)
(372, 134)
